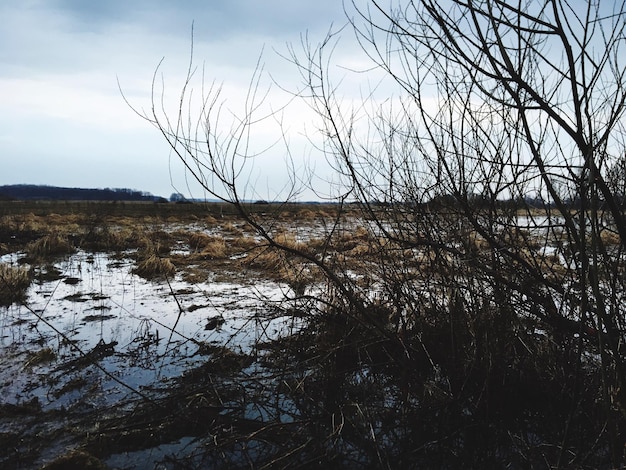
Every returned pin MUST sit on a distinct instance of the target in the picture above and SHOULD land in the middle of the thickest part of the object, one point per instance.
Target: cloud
(219, 19)
(60, 62)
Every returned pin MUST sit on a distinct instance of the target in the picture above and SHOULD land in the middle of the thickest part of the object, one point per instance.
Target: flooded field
(144, 331)
(93, 342)
(137, 337)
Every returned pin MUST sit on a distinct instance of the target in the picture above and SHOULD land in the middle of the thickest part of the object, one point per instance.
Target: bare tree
(490, 191)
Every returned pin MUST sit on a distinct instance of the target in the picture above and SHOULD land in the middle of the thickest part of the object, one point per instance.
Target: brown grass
(231, 228)
(198, 240)
(289, 240)
(264, 258)
(152, 244)
(349, 240)
(206, 246)
(610, 237)
(244, 242)
(307, 214)
(50, 245)
(154, 267)
(117, 238)
(29, 222)
(14, 282)
(216, 249)
(360, 250)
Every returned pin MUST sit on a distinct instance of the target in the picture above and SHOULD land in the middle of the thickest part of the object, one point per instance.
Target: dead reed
(610, 237)
(50, 245)
(203, 246)
(14, 282)
(264, 258)
(231, 228)
(107, 238)
(154, 267)
(197, 240)
(244, 242)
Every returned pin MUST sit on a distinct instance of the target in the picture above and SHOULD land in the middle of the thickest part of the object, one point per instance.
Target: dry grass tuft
(198, 240)
(610, 237)
(317, 244)
(14, 282)
(297, 277)
(207, 246)
(288, 240)
(118, 239)
(244, 242)
(49, 245)
(265, 259)
(152, 244)
(348, 241)
(360, 250)
(476, 243)
(216, 249)
(154, 267)
(231, 228)
(307, 214)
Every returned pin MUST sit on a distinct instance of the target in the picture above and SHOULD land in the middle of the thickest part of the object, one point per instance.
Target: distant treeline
(26, 192)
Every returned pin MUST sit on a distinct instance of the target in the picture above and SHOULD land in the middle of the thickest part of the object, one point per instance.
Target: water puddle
(92, 336)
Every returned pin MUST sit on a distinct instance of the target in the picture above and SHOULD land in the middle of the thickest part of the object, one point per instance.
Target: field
(138, 335)
(128, 329)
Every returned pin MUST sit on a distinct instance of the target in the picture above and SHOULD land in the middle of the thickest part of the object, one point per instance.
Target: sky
(65, 64)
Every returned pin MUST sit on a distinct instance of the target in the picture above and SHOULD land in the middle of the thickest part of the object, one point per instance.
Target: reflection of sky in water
(154, 338)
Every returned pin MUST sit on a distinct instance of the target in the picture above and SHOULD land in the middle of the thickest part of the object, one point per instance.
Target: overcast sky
(63, 120)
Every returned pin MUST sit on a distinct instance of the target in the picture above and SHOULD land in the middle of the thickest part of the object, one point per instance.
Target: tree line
(43, 192)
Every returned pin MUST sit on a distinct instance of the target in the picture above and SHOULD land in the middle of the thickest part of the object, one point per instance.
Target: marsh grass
(216, 249)
(154, 267)
(14, 283)
(243, 243)
(278, 265)
(108, 239)
(610, 237)
(198, 240)
(203, 246)
(264, 258)
(232, 229)
(51, 245)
